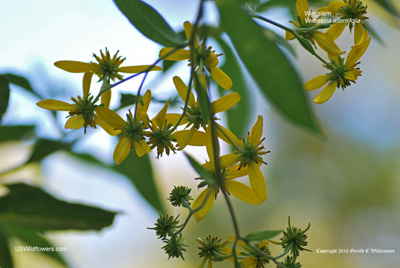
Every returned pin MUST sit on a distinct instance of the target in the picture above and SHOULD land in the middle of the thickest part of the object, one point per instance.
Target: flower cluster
(341, 71)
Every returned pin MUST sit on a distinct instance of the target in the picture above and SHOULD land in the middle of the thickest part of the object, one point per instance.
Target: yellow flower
(228, 173)
(342, 72)
(253, 258)
(353, 13)
(199, 53)
(132, 132)
(323, 40)
(161, 131)
(193, 116)
(106, 69)
(81, 112)
(248, 152)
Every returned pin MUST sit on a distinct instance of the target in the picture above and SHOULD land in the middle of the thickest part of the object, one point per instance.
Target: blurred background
(346, 185)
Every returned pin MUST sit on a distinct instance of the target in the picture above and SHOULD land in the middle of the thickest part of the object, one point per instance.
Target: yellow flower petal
(76, 66)
(109, 129)
(326, 93)
(174, 118)
(178, 55)
(356, 52)
(316, 82)
(334, 6)
(243, 192)
(106, 98)
(256, 131)
(199, 215)
(211, 61)
(75, 122)
(326, 42)
(138, 69)
(198, 138)
(202, 79)
(141, 148)
(110, 117)
(289, 36)
(336, 30)
(159, 120)
(350, 76)
(183, 90)
(227, 136)
(56, 105)
(234, 172)
(188, 31)
(257, 181)
(358, 33)
(249, 262)
(87, 79)
(225, 161)
(301, 8)
(224, 103)
(122, 150)
(221, 78)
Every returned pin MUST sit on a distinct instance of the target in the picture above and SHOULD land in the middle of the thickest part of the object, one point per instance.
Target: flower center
(133, 129)
(108, 66)
(161, 138)
(86, 108)
(354, 10)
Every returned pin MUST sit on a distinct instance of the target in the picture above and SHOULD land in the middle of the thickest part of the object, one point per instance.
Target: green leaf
(32, 238)
(44, 147)
(203, 99)
(149, 22)
(4, 95)
(127, 100)
(30, 207)
(9, 133)
(204, 174)
(276, 77)
(238, 116)
(140, 172)
(5, 255)
(274, 37)
(263, 235)
(21, 82)
(88, 158)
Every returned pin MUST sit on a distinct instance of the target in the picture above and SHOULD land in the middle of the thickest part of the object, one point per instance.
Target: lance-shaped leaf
(5, 255)
(31, 207)
(263, 235)
(4, 95)
(9, 133)
(269, 67)
(149, 22)
(44, 147)
(21, 82)
(204, 174)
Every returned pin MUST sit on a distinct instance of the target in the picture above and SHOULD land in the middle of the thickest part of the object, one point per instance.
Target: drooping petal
(301, 8)
(350, 76)
(76, 66)
(159, 120)
(56, 105)
(257, 181)
(326, 42)
(334, 6)
(224, 103)
(316, 82)
(336, 30)
(122, 150)
(87, 79)
(227, 136)
(256, 131)
(326, 93)
(289, 36)
(221, 78)
(185, 140)
(356, 52)
(178, 55)
(243, 192)
(138, 69)
(198, 138)
(210, 195)
(188, 31)
(249, 262)
(75, 122)
(211, 61)
(142, 108)
(358, 33)
(234, 172)
(106, 98)
(225, 161)
(109, 129)
(141, 148)
(174, 118)
(110, 117)
(183, 90)
(209, 144)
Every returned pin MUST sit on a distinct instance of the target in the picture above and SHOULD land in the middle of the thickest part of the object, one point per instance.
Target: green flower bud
(174, 247)
(289, 263)
(296, 238)
(165, 226)
(180, 196)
